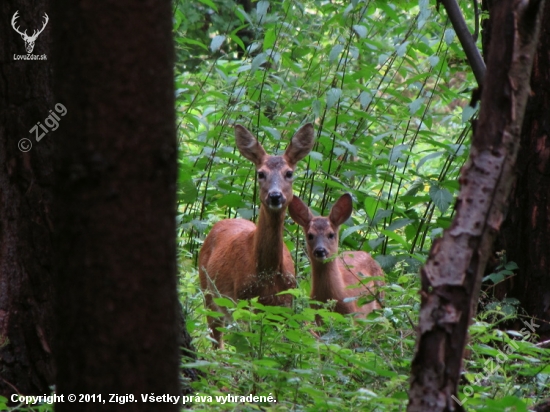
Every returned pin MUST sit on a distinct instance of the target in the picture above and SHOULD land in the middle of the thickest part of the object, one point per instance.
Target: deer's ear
(248, 145)
(299, 212)
(341, 210)
(300, 145)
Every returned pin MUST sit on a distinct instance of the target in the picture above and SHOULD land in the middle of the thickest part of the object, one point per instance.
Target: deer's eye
(309, 236)
(331, 235)
(261, 175)
(289, 174)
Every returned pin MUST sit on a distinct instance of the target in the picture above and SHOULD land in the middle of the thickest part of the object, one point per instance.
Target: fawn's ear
(300, 145)
(248, 145)
(341, 210)
(299, 212)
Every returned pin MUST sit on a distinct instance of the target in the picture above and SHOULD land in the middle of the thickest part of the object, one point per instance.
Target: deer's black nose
(276, 198)
(320, 252)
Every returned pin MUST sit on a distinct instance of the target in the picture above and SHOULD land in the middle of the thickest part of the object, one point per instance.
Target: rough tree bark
(26, 363)
(525, 233)
(114, 203)
(452, 275)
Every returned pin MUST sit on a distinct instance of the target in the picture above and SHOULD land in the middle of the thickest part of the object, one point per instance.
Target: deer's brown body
(241, 260)
(333, 275)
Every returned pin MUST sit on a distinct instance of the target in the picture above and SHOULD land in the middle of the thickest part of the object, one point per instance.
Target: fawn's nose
(320, 253)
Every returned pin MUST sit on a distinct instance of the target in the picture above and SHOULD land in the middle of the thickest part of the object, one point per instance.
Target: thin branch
(468, 44)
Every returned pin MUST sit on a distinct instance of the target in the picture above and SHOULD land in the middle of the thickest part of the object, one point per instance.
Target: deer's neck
(268, 240)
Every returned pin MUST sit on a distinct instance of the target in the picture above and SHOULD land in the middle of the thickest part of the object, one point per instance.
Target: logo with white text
(29, 40)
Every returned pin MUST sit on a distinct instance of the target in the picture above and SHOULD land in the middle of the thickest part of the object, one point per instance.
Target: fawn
(331, 274)
(241, 260)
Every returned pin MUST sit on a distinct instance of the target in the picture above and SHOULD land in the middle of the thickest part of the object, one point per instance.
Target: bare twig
(466, 39)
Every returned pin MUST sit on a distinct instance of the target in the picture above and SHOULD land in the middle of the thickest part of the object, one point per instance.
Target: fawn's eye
(289, 174)
(331, 235)
(309, 236)
(261, 175)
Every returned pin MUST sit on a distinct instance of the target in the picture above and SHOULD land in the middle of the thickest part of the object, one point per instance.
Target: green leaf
(394, 236)
(428, 157)
(397, 152)
(494, 277)
(398, 224)
(449, 36)
(402, 49)
(415, 105)
(237, 40)
(371, 204)
(348, 231)
(386, 261)
(234, 200)
(467, 113)
(424, 14)
(511, 266)
(261, 10)
(193, 42)
(381, 214)
(210, 4)
(335, 52)
(332, 96)
(365, 98)
(441, 197)
(434, 60)
(240, 342)
(258, 61)
(188, 191)
(216, 43)
(269, 38)
(224, 302)
(360, 30)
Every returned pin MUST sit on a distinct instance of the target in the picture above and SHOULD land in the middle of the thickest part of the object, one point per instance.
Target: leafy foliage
(386, 86)
(381, 85)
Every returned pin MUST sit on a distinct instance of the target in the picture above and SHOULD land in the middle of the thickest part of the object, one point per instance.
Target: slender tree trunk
(115, 203)
(26, 363)
(451, 278)
(525, 233)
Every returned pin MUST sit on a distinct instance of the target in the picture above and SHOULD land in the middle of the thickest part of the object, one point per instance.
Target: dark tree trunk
(114, 208)
(526, 232)
(26, 363)
(451, 278)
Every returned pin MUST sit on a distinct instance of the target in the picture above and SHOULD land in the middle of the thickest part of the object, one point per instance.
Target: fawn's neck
(268, 240)
(327, 280)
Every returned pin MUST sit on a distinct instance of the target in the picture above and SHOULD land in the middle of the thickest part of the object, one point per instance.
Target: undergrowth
(354, 364)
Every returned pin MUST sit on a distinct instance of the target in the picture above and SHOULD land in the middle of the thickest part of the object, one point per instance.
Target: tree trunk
(525, 233)
(451, 278)
(26, 305)
(114, 204)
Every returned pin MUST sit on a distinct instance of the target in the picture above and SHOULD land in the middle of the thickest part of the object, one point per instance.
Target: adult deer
(241, 260)
(332, 274)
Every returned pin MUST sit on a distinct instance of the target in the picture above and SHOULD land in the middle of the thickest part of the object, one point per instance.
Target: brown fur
(331, 278)
(241, 260)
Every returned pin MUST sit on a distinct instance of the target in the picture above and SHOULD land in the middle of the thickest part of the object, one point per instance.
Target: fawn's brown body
(241, 260)
(331, 277)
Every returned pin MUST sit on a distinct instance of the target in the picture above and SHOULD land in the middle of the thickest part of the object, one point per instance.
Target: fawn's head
(321, 232)
(275, 173)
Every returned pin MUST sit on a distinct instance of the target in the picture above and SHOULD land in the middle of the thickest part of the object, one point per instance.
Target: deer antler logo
(29, 40)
